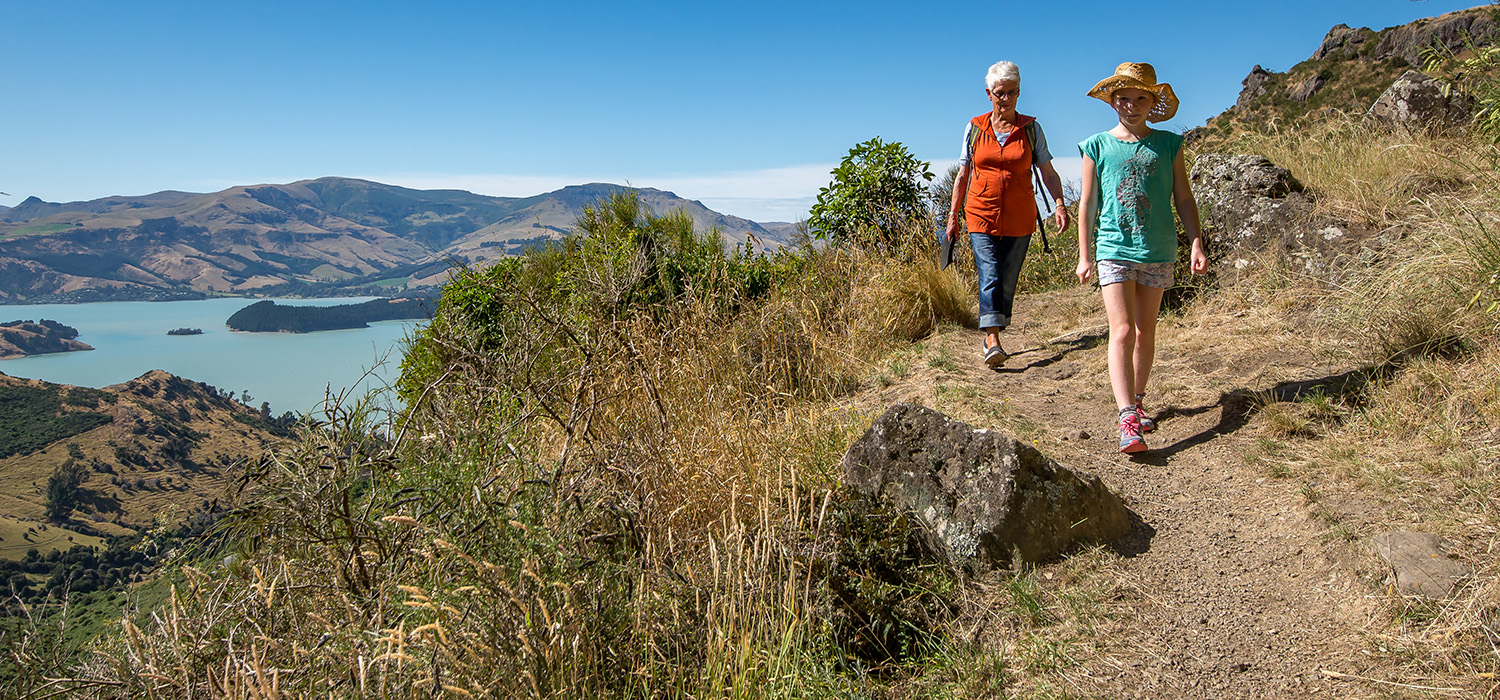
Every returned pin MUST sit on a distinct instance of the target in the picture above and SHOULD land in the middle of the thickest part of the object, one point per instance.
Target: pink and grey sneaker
(1147, 425)
(1130, 432)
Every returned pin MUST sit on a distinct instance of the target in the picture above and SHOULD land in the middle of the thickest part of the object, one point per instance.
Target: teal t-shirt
(1135, 196)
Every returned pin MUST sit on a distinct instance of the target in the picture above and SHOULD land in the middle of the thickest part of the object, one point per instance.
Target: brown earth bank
(1239, 583)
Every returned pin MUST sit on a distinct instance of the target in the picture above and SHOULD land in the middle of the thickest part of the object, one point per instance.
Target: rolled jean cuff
(992, 320)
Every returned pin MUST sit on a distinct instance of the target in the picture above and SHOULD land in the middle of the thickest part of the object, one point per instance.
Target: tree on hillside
(878, 191)
(63, 488)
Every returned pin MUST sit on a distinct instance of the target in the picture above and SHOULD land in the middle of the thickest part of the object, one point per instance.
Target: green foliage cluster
(891, 595)
(32, 417)
(269, 317)
(626, 262)
(878, 194)
(36, 578)
(61, 604)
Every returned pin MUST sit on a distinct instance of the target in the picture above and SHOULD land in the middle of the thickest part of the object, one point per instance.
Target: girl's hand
(1199, 263)
(1085, 270)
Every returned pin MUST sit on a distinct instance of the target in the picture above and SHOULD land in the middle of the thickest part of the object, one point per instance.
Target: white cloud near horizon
(771, 194)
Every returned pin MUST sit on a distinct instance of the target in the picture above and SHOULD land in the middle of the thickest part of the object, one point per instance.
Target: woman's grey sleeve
(1040, 153)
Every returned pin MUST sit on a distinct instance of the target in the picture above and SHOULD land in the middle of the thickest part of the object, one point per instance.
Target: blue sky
(744, 106)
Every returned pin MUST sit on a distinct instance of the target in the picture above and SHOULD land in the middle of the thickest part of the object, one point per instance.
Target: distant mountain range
(330, 235)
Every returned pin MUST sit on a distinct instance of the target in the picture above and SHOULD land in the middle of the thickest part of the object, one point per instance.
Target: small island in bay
(270, 317)
(23, 338)
(185, 331)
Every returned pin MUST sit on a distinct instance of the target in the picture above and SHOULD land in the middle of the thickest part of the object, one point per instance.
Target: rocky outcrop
(1246, 202)
(1342, 41)
(1450, 31)
(1417, 101)
(1306, 88)
(984, 498)
(1253, 86)
(1418, 563)
(1251, 207)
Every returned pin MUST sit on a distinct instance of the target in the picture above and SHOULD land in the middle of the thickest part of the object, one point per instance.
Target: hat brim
(1166, 100)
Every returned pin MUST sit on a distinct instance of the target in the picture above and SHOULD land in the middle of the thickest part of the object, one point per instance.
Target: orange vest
(1000, 201)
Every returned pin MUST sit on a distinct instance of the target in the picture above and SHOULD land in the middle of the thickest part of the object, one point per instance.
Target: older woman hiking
(994, 188)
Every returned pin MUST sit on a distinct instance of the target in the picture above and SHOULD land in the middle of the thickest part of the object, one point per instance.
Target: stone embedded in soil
(1419, 563)
(983, 497)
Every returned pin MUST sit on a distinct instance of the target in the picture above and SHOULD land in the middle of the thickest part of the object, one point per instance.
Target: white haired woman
(994, 189)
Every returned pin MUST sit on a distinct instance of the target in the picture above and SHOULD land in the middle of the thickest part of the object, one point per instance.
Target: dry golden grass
(1416, 448)
(1362, 171)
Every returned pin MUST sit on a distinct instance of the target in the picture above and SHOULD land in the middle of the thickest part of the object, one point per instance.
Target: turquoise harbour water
(291, 371)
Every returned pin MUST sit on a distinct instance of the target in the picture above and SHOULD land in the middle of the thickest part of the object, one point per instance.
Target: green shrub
(878, 193)
(890, 595)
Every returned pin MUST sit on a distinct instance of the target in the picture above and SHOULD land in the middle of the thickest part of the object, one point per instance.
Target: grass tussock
(1362, 171)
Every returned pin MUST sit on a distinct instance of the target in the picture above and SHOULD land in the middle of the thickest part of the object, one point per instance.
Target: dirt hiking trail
(1234, 589)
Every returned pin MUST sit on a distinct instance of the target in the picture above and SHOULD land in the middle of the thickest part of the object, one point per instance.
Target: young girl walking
(1132, 176)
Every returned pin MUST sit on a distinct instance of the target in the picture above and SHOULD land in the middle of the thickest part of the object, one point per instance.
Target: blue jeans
(998, 259)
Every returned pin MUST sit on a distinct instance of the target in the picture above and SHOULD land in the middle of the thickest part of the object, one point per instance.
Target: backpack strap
(1028, 133)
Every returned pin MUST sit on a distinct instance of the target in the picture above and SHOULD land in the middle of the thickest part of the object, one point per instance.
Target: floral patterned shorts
(1158, 275)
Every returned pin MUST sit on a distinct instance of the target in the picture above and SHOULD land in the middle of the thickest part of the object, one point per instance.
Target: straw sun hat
(1143, 76)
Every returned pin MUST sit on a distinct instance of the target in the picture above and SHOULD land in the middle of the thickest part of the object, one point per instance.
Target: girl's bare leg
(1147, 307)
(1121, 306)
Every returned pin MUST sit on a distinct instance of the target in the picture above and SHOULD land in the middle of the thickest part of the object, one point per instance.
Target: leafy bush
(63, 488)
(878, 194)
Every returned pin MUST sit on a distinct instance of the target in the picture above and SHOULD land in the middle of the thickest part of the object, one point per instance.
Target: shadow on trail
(1237, 407)
(1137, 541)
(1083, 342)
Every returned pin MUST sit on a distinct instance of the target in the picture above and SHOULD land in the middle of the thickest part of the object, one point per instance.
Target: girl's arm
(1187, 210)
(960, 192)
(1088, 210)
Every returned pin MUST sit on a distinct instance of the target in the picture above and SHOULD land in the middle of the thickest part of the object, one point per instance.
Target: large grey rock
(1418, 101)
(1419, 563)
(1253, 209)
(1247, 201)
(981, 495)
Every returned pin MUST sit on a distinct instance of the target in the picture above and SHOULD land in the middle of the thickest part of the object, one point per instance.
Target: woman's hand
(1061, 216)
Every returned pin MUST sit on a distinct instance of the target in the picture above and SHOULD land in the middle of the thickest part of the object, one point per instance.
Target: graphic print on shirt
(1135, 206)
